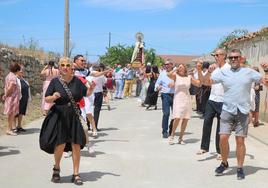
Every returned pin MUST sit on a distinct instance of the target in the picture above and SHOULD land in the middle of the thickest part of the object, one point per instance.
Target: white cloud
(135, 4)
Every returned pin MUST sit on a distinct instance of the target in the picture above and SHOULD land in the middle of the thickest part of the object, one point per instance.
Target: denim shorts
(230, 122)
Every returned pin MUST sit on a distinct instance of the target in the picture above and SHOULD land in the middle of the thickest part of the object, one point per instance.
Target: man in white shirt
(214, 104)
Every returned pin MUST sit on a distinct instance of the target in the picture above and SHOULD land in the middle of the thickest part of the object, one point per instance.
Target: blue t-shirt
(237, 85)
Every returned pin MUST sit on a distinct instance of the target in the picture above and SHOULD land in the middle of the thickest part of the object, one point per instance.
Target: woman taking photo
(62, 129)
(49, 72)
(182, 105)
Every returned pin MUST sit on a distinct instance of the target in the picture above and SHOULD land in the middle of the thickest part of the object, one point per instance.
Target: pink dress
(182, 106)
(12, 101)
(49, 76)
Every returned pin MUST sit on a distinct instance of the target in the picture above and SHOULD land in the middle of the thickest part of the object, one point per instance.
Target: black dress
(152, 95)
(62, 125)
(24, 97)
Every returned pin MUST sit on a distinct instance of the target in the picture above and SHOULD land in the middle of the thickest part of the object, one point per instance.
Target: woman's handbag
(77, 111)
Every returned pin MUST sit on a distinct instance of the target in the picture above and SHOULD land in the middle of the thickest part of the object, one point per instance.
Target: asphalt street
(131, 153)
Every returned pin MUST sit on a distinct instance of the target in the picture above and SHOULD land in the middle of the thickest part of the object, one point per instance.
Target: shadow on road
(109, 140)
(109, 129)
(232, 154)
(9, 151)
(247, 169)
(30, 131)
(88, 176)
(191, 140)
(185, 133)
(86, 154)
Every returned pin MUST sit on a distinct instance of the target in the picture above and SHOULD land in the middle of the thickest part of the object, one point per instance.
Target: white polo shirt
(217, 92)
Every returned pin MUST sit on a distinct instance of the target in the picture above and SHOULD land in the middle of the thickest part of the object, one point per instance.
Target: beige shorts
(230, 122)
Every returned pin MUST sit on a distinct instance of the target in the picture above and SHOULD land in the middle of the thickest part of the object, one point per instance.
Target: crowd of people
(73, 95)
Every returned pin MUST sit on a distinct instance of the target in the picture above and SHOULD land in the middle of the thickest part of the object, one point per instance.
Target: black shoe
(165, 135)
(240, 174)
(219, 170)
(98, 130)
(155, 108)
(20, 129)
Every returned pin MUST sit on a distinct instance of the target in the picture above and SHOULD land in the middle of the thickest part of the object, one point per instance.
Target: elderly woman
(62, 122)
(25, 97)
(182, 106)
(12, 97)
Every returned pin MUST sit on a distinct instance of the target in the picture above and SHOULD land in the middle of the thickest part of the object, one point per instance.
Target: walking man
(237, 82)
(129, 75)
(165, 86)
(214, 104)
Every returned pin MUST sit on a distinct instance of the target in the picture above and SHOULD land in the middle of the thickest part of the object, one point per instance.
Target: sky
(178, 27)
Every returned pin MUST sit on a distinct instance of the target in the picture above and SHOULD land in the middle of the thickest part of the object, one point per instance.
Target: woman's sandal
(181, 142)
(76, 179)
(201, 152)
(56, 175)
(171, 140)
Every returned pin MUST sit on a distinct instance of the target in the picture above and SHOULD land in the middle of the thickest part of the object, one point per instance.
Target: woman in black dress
(25, 95)
(152, 95)
(62, 129)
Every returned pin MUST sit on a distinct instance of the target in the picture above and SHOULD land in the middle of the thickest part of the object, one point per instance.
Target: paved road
(130, 153)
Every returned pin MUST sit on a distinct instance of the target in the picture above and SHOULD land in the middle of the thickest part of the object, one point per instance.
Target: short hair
(14, 67)
(155, 69)
(235, 50)
(102, 66)
(205, 65)
(65, 59)
(77, 56)
(223, 51)
(51, 63)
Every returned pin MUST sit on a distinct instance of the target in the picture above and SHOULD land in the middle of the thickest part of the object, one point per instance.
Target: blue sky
(190, 27)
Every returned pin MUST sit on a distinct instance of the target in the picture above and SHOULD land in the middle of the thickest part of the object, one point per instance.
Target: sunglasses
(217, 55)
(233, 57)
(65, 65)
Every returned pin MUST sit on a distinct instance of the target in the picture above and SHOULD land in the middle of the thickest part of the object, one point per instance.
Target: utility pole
(66, 30)
(110, 38)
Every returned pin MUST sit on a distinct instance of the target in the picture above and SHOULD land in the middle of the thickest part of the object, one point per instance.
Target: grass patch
(33, 112)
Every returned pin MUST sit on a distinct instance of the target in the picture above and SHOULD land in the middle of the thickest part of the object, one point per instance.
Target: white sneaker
(67, 154)
(90, 149)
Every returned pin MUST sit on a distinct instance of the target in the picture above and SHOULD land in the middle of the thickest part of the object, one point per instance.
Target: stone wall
(32, 70)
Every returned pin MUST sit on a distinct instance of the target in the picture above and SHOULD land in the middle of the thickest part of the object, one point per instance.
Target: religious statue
(138, 54)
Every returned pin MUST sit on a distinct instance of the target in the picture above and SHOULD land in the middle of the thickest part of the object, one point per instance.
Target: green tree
(122, 54)
(117, 55)
(235, 34)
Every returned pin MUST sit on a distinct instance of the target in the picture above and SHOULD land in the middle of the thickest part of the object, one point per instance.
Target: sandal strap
(77, 179)
(56, 170)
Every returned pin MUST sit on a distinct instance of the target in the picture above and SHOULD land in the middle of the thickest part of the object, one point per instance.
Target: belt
(170, 94)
